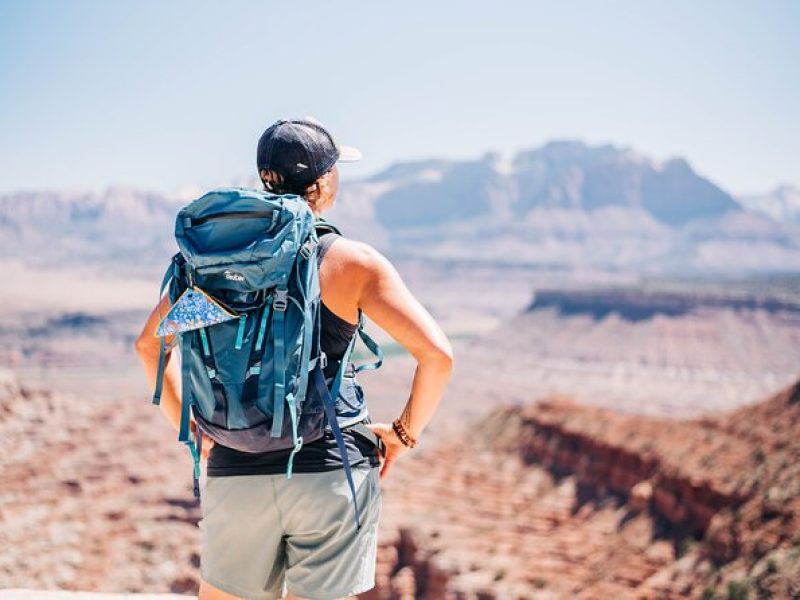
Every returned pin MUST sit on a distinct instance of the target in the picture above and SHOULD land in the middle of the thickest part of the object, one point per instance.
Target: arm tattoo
(405, 417)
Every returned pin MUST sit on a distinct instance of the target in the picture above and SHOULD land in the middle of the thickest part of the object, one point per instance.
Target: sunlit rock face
(565, 205)
(557, 500)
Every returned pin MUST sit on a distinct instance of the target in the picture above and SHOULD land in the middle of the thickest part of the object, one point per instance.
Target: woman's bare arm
(147, 348)
(386, 300)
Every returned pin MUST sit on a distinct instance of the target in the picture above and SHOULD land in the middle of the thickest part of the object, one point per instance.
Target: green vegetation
(738, 590)
(684, 546)
(772, 566)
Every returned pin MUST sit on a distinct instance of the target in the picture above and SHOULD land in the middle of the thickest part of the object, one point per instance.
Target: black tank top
(322, 454)
(335, 332)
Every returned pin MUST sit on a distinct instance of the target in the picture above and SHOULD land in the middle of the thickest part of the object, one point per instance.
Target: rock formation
(546, 500)
(555, 499)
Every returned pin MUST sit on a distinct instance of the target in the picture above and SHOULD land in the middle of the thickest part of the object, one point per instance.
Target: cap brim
(349, 154)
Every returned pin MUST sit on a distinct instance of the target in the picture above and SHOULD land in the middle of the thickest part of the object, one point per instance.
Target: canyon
(546, 499)
(606, 433)
(554, 499)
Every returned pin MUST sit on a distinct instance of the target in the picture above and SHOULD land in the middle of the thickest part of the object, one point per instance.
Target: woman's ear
(263, 176)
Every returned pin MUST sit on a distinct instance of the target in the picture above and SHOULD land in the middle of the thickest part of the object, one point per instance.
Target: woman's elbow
(440, 356)
(145, 345)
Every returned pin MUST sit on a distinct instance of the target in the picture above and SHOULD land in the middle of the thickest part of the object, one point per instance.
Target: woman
(264, 535)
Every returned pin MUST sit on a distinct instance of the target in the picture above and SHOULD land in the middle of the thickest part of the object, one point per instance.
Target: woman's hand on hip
(394, 447)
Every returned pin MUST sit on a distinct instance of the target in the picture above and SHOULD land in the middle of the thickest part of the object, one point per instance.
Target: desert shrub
(738, 590)
(772, 566)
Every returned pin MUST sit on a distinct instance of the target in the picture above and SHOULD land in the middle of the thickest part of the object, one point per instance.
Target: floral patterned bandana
(193, 310)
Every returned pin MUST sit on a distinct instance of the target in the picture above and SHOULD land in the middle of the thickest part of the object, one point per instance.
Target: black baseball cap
(301, 150)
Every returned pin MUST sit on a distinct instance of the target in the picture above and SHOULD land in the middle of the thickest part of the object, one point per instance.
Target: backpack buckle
(307, 249)
(323, 360)
(281, 300)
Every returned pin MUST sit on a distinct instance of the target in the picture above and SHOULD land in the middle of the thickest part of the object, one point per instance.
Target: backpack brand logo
(231, 276)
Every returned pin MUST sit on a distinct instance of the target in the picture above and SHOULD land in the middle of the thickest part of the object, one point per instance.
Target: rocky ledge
(547, 500)
(555, 499)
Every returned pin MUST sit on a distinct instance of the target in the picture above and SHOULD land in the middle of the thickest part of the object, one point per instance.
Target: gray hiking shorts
(264, 535)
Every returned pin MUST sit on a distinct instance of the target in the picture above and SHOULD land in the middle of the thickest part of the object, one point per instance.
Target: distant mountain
(54, 227)
(565, 175)
(782, 203)
(564, 205)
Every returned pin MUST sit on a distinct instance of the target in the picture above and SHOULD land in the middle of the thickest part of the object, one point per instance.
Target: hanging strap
(329, 397)
(330, 412)
(184, 430)
(162, 363)
(297, 440)
(198, 436)
(162, 349)
(337, 380)
(371, 344)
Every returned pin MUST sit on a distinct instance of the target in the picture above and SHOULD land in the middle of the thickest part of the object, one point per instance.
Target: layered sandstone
(548, 500)
(559, 500)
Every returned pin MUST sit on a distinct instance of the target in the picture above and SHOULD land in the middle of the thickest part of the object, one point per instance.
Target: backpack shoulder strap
(322, 227)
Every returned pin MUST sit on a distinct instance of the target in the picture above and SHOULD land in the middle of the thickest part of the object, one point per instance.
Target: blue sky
(171, 93)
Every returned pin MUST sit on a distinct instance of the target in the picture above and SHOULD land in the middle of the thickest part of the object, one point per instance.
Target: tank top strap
(325, 241)
(335, 332)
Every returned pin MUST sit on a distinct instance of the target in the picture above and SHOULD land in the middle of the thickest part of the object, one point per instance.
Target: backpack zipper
(232, 215)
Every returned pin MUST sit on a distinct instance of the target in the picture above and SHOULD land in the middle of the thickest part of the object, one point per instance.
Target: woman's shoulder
(355, 256)
(355, 274)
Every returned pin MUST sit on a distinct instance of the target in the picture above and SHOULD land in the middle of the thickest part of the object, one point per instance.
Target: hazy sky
(170, 93)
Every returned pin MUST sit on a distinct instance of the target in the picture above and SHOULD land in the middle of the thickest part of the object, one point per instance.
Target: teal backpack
(245, 298)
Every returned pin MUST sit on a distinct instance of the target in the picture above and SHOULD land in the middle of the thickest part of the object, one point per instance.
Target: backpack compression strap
(309, 290)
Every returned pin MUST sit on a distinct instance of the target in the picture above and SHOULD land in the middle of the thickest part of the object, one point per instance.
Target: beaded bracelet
(402, 434)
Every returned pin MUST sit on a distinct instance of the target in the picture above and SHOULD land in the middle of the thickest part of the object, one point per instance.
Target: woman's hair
(275, 183)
